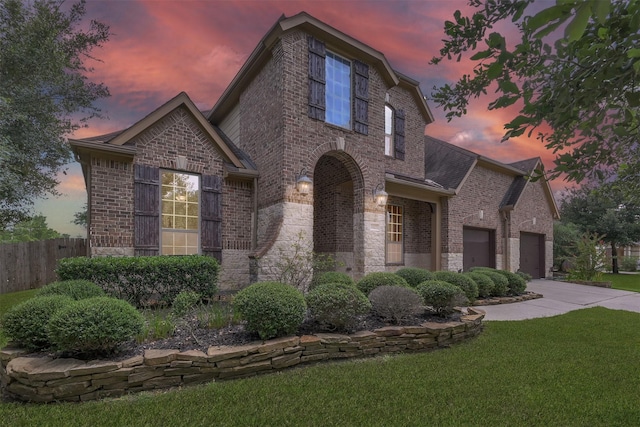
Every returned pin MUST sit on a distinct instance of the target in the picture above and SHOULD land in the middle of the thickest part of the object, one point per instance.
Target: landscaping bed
(43, 378)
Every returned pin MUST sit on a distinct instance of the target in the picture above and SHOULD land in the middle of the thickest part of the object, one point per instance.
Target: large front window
(180, 213)
(394, 247)
(338, 91)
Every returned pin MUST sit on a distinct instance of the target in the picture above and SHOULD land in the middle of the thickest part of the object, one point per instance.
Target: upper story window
(180, 207)
(338, 90)
(388, 131)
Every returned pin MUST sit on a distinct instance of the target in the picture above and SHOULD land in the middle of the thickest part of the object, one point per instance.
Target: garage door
(479, 248)
(532, 254)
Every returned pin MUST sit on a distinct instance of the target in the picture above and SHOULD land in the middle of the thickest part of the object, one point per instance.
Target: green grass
(581, 368)
(625, 282)
(9, 300)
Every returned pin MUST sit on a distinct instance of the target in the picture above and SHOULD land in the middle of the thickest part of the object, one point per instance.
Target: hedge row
(145, 280)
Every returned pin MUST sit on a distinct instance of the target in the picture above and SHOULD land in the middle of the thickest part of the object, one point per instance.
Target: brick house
(317, 136)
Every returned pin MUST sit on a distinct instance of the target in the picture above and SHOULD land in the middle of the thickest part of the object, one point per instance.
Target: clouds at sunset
(160, 48)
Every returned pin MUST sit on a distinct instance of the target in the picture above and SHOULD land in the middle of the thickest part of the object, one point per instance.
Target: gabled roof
(119, 142)
(334, 38)
(529, 168)
(447, 164)
(450, 166)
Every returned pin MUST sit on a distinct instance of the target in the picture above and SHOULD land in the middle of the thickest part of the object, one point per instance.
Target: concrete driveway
(561, 297)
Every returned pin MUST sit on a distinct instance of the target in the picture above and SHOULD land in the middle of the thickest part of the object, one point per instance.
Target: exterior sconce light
(380, 196)
(303, 182)
(480, 214)
(533, 221)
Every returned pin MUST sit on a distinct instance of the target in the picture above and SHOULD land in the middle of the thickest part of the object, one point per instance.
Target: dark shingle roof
(519, 182)
(445, 163)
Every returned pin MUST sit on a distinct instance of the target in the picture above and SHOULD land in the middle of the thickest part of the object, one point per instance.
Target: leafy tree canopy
(604, 210)
(44, 95)
(584, 87)
(30, 230)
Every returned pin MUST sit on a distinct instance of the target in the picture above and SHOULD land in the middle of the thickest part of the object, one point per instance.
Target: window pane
(180, 211)
(394, 249)
(338, 90)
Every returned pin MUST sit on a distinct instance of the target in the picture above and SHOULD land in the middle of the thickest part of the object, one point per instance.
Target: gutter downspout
(254, 216)
(506, 217)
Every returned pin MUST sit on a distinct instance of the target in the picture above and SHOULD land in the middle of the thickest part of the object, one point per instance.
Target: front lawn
(581, 368)
(625, 282)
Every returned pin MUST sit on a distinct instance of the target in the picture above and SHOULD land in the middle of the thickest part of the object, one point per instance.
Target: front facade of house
(311, 104)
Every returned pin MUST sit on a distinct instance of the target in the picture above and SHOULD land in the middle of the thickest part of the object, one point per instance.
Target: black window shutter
(361, 101)
(211, 216)
(146, 208)
(398, 136)
(317, 103)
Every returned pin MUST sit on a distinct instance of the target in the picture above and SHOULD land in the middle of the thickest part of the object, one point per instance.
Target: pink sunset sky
(159, 48)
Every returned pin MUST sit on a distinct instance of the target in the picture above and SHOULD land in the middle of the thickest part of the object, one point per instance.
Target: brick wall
(484, 189)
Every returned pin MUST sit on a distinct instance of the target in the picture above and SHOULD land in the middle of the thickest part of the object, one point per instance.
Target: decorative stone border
(507, 300)
(44, 379)
(591, 283)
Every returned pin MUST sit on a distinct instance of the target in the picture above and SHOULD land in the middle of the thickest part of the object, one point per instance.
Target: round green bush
(94, 325)
(76, 289)
(414, 276)
(500, 283)
(516, 283)
(485, 284)
(183, 302)
(373, 280)
(331, 277)
(337, 305)
(441, 296)
(26, 323)
(395, 303)
(468, 286)
(271, 309)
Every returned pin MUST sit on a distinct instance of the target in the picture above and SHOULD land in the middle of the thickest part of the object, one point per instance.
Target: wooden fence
(31, 265)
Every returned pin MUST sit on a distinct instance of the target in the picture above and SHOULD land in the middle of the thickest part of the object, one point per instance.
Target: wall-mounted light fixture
(379, 195)
(533, 221)
(303, 182)
(480, 215)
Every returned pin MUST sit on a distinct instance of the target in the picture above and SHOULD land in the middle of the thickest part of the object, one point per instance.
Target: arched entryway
(338, 206)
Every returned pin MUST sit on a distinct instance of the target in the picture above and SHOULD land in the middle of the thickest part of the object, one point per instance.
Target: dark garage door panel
(532, 254)
(479, 248)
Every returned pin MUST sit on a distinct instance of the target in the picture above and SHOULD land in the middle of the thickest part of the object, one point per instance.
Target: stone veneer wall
(43, 379)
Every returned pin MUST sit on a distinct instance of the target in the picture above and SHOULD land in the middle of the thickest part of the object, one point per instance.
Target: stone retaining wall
(44, 379)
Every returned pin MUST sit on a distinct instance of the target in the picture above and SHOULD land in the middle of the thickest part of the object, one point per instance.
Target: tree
(565, 236)
(585, 87)
(44, 96)
(35, 228)
(80, 218)
(604, 210)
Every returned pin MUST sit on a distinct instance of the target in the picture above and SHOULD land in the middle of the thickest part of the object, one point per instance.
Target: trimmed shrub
(331, 277)
(414, 276)
(94, 326)
(26, 323)
(395, 303)
(144, 280)
(468, 286)
(76, 289)
(485, 284)
(183, 302)
(526, 276)
(337, 305)
(271, 309)
(441, 296)
(516, 284)
(500, 283)
(373, 280)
